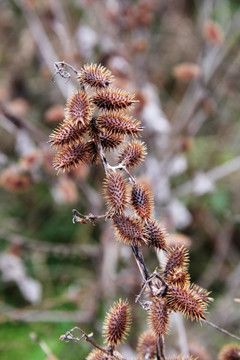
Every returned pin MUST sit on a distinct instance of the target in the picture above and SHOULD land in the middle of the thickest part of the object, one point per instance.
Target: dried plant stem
(221, 330)
(43, 346)
(140, 262)
(68, 336)
(78, 217)
(160, 348)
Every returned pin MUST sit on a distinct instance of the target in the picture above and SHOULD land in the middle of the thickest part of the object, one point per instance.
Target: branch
(221, 330)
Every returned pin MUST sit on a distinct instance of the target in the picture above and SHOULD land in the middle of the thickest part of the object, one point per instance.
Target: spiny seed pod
(79, 109)
(110, 141)
(178, 276)
(71, 156)
(93, 152)
(93, 129)
(96, 354)
(186, 301)
(146, 347)
(199, 352)
(116, 192)
(159, 316)
(155, 235)
(177, 257)
(142, 200)
(117, 323)
(129, 231)
(132, 154)
(120, 124)
(229, 352)
(113, 99)
(67, 133)
(13, 178)
(95, 75)
(203, 294)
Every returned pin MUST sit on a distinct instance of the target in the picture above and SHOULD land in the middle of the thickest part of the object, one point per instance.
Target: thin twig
(160, 348)
(140, 262)
(220, 329)
(68, 336)
(83, 219)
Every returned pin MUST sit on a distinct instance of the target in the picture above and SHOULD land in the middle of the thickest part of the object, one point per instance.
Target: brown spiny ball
(95, 75)
(116, 193)
(93, 129)
(146, 347)
(155, 235)
(229, 352)
(96, 354)
(79, 109)
(128, 230)
(159, 316)
(67, 133)
(202, 293)
(177, 257)
(93, 152)
(132, 154)
(117, 323)
(120, 124)
(14, 178)
(178, 276)
(186, 301)
(198, 351)
(71, 156)
(113, 99)
(142, 200)
(110, 141)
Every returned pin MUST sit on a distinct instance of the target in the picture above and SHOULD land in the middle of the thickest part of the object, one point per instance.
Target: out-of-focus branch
(61, 249)
(38, 135)
(45, 47)
(213, 175)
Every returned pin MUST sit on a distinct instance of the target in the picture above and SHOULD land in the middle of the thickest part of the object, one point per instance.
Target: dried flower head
(132, 154)
(78, 109)
(155, 235)
(67, 133)
(110, 141)
(201, 293)
(93, 129)
(198, 351)
(113, 99)
(71, 156)
(95, 75)
(146, 347)
(178, 276)
(117, 323)
(128, 230)
(213, 33)
(178, 239)
(116, 192)
(229, 352)
(186, 301)
(96, 354)
(15, 179)
(177, 257)
(93, 152)
(159, 316)
(119, 124)
(142, 200)
(186, 71)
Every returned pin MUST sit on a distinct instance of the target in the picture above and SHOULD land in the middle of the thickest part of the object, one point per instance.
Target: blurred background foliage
(181, 58)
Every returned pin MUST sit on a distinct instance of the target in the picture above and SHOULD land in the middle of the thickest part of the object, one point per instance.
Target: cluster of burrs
(97, 121)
